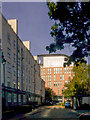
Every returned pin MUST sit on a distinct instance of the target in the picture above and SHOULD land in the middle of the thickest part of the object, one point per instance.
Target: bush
(24, 108)
(61, 104)
(34, 104)
(85, 106)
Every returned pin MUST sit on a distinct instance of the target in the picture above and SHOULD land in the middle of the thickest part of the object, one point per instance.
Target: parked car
(67, 104)
(57, 103)
(84, 116)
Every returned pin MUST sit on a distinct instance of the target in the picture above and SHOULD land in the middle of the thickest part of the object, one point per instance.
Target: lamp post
(4, 62)
(41, 91)
(34, 81)
(0, 87)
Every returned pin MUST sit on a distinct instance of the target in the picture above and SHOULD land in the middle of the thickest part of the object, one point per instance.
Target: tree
(72, 24)
(80, 85)
(49, 94)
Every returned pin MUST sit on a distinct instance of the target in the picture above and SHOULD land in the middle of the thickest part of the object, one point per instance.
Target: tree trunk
(80, 101)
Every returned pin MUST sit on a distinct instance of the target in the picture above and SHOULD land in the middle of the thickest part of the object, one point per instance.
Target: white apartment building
(20, 75)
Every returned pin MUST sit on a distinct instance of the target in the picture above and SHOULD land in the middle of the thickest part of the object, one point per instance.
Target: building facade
(54, 73)
(20, 72)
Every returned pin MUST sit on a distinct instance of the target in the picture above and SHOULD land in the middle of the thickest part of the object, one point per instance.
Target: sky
(34, 24)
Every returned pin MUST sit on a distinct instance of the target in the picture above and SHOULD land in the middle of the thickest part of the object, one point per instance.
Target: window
(8, 38)
(14, 57)
(18, 61)
(54, 84)
(67, 70)
(60, 84)
(8, 84)
(50, 70)
(43, 71)
(58, 91)
(18, 48)
(15, 98)
(8, 67)
(64, 70)
(50, 77)
(50, 84)
(54, 77)
(8, 52)
(9, 97)
(44, 78)
(14, 44)
(18, 85)
(72, 70)
(14, 70)
(14, 85)
(60, 70)
(62, 77)
(54, 70)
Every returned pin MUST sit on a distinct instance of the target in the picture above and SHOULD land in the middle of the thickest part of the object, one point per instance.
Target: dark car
(84, 116)
(67, 104)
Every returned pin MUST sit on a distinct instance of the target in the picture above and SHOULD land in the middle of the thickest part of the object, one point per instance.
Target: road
(52, 112)
(48, 113)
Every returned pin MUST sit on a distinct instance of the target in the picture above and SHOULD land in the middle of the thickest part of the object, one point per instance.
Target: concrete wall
(22, 66)
(53, 61)
(86, 100)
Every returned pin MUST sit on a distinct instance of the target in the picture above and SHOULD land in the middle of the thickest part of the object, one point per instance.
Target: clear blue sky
(34, 24)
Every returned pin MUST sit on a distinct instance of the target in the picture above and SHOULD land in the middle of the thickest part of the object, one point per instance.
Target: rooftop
(48, 55)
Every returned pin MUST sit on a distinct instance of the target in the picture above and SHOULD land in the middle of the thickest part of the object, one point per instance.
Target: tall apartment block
(20, 72)
(54, 73)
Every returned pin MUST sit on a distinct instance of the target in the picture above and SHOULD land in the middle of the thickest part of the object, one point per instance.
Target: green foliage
(80, 85)
(61, 104)
(49, 94)
(72, 24)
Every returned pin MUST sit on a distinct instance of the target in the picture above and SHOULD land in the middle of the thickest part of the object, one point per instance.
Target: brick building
(54, 73)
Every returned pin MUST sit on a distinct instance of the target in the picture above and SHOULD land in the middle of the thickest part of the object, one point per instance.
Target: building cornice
(48, 55)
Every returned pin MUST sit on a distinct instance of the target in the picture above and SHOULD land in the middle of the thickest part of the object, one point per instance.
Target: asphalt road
(52, 112)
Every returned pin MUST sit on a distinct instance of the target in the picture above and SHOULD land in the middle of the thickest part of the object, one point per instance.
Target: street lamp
(4, 62)
(41, 91)
(34, 81)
